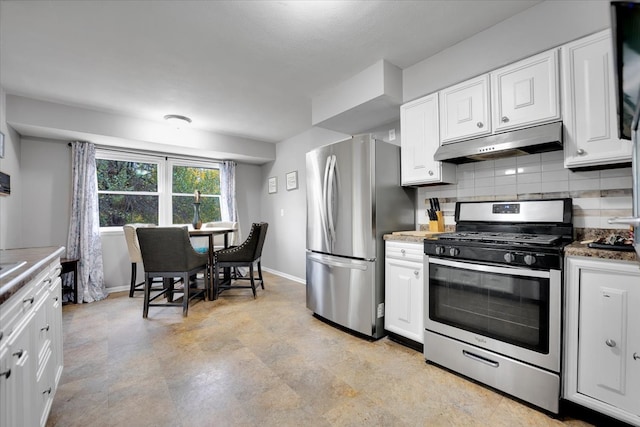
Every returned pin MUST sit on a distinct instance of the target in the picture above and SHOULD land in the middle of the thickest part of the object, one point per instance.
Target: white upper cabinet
(526, 93)
(420, 140)
(465, 110)
(589, 107)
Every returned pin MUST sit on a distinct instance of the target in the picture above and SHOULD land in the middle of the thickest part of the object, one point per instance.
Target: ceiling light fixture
(177, 121)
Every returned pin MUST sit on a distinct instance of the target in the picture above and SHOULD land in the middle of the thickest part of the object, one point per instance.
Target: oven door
(511, 311)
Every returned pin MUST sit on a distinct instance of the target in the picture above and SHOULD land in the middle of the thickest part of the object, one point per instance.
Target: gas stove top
(499, 237)
(528, 233)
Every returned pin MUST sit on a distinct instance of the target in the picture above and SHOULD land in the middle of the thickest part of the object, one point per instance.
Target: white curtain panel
(229, 207)
(84, 241)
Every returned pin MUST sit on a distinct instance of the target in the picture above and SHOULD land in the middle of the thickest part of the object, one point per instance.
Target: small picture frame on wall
(1, 145)
(273, 185)
(292, 180)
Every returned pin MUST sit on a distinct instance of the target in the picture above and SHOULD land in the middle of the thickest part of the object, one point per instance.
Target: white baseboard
(111, 290)
(285, 275)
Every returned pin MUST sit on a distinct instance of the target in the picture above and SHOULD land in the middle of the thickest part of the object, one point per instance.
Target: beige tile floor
(264, 362)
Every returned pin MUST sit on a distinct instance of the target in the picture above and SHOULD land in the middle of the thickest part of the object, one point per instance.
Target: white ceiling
(244, 68)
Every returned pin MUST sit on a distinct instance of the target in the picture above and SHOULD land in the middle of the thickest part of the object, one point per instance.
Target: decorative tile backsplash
(597, 195)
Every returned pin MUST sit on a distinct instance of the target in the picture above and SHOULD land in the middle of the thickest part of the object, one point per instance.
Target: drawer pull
(29, 300)
(416, 273)
(47, 391)
(480, 359)
(402, 251)
(636, 356)
(19, 353)
(46, 328)
(6, 373)
(610, 343)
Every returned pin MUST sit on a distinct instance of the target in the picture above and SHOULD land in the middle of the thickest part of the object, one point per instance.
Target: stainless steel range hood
(537, 139)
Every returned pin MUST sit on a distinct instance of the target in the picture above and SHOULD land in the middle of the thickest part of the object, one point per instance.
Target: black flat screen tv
(625, 23)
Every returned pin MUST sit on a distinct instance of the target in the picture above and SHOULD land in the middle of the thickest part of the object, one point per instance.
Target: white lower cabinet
(31, 350)
(404, 288)
(602, 342)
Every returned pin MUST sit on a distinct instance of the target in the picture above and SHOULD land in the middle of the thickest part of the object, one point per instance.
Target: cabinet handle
(416, 273)
(580, 152)
(636, 356)
(611, 343)
(6, 373)
(480, 125)
(430, 173)
(46, 328)
(29, 300)
(55, 298)
(1, 335)
(505, 119)
(47, 391)
(19, 353)
(402, 251)
(47, 281)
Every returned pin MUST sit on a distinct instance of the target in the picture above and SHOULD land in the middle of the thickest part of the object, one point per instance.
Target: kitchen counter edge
(36, 260)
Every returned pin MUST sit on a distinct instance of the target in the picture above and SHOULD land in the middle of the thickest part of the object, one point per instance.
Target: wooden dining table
(210, 232)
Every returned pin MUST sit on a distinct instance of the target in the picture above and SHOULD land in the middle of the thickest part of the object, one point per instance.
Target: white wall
(544, 26)
(10, 206)
(46, 183)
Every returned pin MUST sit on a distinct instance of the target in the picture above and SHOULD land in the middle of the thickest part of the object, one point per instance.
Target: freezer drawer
(345, 291)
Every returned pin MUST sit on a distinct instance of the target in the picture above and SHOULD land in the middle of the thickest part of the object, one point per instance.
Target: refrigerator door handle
(323, 210)
(330, 207)
(334, 262)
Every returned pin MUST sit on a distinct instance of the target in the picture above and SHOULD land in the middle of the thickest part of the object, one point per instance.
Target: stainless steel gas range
(494, 296)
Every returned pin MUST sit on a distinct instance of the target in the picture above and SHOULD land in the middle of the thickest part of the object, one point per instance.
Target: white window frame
(165, 180)
(171, 162)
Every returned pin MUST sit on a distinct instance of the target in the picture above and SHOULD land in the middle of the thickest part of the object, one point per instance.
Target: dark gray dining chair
(167, 253)
(246, 254)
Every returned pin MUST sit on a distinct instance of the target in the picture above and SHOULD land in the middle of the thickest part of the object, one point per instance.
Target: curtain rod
(153, 153)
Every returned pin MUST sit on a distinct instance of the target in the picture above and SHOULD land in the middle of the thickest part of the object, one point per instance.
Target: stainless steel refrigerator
(354, 197)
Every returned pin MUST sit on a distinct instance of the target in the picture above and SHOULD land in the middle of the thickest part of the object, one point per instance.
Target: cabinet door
(404, 289)
(464, 110)
(22, 363)
(55, 320)
(608, 339)
(589, 109)
(6, 412)
(526, 93)
(420, 139)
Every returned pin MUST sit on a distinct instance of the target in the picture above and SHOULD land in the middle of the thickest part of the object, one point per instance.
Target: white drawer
(409, 251)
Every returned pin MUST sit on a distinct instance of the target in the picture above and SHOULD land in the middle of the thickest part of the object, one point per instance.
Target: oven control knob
(439, 250)
(454, 251)
(529, 259)
(509, 257)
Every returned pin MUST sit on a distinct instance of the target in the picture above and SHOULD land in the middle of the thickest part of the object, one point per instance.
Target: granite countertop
(36, 259)
(581, 249)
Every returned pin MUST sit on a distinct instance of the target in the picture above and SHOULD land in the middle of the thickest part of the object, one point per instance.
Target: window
(132, 188)
(185, 180)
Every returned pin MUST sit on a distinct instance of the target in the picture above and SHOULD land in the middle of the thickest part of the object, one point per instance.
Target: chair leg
(185, 295)
(216, 282)
(134, 270)
(253, 283)
(260, 274)
(147, 294)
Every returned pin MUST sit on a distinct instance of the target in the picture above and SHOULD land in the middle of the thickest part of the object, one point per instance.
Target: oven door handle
(491, 268)
(480, 359)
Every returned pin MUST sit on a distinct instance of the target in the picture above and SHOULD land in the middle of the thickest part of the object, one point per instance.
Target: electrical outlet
(392, 134)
